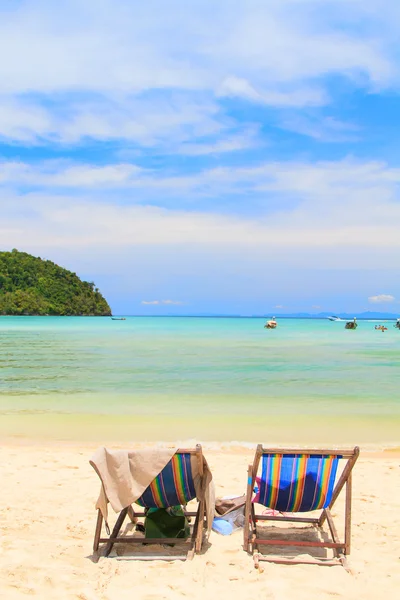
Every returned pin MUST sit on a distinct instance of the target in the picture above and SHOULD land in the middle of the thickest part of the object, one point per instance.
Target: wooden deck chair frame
(341, 548)
(192, 544)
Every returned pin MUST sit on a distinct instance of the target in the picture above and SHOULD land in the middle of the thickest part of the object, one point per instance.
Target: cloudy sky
(211, 156)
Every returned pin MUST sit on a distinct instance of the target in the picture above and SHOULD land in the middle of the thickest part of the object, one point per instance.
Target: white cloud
(126, 69)
(152, 121)
(229, 143)
(337, 214)
(59, 174)
(69, 221)
(235, 86)
(278, 41)
(381, 298)
(177, 124)
(121, 47)
(347, 189)
(23, 121)
(324, 129)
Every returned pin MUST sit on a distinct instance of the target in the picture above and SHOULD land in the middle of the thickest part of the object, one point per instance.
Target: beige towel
(125, 476)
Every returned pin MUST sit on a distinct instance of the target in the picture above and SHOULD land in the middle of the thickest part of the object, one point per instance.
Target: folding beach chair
(298, 481)
(173, 486)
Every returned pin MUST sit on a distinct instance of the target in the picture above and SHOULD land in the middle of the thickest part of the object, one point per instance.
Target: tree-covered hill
(32, 286)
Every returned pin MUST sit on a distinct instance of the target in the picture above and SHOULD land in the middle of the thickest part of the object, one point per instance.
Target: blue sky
(206, 157)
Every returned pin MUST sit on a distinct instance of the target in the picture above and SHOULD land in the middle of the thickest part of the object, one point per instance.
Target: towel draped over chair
(154, 478)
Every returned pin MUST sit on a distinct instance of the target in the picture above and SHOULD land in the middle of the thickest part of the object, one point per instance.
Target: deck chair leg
(253, 531)
(347, 522)
(115, 531)
(190, 554)
(202, 504)
(321, 519)
(196, 523)
(247, 528)
(98, 530)
(200, 527)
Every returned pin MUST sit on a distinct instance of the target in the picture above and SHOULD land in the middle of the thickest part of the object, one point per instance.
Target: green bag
(166, 523)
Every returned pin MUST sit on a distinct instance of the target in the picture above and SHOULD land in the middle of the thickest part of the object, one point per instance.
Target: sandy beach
(48, 518)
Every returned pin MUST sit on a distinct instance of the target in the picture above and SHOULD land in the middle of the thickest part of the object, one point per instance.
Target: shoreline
(369, 432)
(371, 451)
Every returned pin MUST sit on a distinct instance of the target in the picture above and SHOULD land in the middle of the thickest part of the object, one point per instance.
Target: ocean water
(213, 378)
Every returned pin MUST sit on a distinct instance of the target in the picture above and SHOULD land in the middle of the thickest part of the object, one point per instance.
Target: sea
(198, 378)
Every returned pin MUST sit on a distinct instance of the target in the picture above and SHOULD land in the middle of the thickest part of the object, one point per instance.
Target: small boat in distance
(333, 318)
(118, 319)
(351, 324)
(272, 324)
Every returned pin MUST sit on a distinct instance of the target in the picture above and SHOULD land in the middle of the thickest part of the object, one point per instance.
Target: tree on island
(32, 286)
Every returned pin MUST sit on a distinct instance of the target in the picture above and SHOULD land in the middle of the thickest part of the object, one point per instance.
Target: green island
(30, 285)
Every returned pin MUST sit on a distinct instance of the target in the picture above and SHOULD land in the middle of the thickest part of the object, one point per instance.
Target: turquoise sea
(208, 378)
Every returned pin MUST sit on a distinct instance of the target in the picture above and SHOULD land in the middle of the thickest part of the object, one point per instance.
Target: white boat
(333, 318)
(272, 324)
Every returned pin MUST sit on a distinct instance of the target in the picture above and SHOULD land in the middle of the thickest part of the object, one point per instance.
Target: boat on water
(397, 324)
(272, 324)
(351, 324)
(380, 328)
(333, 318)
(118, 319)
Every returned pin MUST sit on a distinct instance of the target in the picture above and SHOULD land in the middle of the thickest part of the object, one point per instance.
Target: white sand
(47, 522)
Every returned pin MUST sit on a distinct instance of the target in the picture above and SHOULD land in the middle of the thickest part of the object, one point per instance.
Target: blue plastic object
(221, 526)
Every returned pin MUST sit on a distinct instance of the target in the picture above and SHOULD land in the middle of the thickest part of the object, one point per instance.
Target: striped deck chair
(298, 481)
(173, 486)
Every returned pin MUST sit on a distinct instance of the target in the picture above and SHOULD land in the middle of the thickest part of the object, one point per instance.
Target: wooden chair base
(338, 547)
(191, 545)
(340, 560)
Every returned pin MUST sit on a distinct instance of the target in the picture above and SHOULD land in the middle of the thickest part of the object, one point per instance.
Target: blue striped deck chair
(294, 481)
(173, 486)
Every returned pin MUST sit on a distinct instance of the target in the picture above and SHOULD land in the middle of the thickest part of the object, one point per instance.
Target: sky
(206, 157)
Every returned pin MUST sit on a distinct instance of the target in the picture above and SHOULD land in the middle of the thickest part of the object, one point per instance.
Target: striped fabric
(297, 482)
(173, 486)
